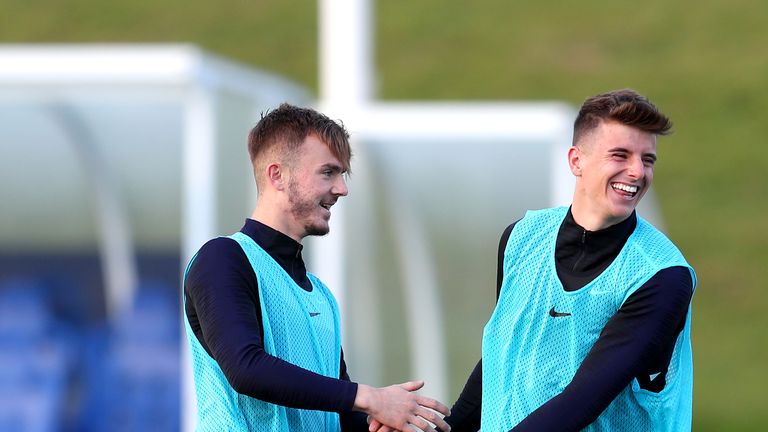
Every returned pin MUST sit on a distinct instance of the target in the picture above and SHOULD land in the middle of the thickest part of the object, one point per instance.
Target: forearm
(273, 380)
(237, 347)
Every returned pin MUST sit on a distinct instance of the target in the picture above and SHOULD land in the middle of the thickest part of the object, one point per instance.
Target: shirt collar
(272, 240)
(618, 232)
(582, 251)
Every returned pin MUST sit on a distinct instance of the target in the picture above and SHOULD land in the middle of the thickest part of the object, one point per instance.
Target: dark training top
(636, 343)
(224, 312)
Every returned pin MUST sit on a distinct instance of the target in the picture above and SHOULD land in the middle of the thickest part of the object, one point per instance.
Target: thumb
(412, 385)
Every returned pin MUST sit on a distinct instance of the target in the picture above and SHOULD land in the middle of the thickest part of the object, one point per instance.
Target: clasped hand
(399, 408)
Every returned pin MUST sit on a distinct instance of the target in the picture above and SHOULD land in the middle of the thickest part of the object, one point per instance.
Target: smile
(625, 188)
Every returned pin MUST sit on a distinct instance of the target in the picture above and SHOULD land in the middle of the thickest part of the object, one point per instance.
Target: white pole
(345, 75)
(346, 66)
(198, 208)
(346, 89)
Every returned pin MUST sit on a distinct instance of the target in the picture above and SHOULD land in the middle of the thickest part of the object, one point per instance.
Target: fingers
(414, 428)
(433, 404)
(428, 409)
(408, 428)
(434, 418)
(376, 426)
(412, 385)
(398, 407)
(423, 419)
(421, 424)
(373, 424)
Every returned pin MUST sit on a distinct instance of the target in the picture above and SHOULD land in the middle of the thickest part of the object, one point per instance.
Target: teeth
(625, 188)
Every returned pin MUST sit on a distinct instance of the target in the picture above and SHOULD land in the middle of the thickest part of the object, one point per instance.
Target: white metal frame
(53, 74)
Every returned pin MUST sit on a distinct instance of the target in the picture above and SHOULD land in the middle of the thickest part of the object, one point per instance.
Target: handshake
(399, 408)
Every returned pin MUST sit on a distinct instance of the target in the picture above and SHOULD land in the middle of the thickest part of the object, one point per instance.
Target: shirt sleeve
(465, 413)
(222, 300)
(636, 342)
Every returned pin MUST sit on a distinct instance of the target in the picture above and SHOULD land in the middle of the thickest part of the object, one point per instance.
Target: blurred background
(72, 360)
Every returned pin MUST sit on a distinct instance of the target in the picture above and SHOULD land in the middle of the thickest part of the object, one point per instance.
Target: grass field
(703, 62)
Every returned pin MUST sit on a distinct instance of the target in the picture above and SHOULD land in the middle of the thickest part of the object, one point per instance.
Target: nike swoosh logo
(312, 314)
(555, 314)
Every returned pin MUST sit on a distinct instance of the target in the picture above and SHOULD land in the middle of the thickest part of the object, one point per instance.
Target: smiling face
(315, 182)
(613, 165)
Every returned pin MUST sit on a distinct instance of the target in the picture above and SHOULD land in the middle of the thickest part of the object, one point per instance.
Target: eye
(330, 171)
(621, 156)
(649, 162)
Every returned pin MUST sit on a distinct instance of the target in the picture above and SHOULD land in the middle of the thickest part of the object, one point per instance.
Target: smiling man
(264, 333)
(591, 329)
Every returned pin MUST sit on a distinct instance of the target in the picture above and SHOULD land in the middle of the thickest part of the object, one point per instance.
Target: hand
(376, 426)
(397, 407)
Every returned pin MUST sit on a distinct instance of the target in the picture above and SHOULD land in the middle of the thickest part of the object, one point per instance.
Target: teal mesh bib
(300, 327)
(530, 356)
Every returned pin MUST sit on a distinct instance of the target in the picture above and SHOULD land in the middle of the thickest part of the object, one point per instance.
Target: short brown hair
(285, 128)
(624, 106)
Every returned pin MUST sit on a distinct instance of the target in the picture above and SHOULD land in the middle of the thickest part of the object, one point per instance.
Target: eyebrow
(333, 167)
(624, 150)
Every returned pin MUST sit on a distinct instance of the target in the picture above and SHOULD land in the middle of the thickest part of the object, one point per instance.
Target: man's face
(316, 182)
(614, 169)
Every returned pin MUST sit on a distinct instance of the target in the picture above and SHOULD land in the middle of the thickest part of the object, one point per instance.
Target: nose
(636, 169)
(340, 187)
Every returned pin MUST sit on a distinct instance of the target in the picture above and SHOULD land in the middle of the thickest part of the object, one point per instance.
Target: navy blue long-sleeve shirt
(636, 343)
(224, 312)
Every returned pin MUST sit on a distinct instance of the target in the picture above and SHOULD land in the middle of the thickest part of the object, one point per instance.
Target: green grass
(279, 36)
(703, 62)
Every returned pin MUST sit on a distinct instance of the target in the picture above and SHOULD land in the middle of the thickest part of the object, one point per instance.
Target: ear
(275, 176)
(574, 160)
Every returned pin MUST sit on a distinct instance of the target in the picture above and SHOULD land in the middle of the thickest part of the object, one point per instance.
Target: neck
(590, 220)
(270, 215)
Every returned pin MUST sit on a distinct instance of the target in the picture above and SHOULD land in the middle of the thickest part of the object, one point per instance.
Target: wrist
(363, 398)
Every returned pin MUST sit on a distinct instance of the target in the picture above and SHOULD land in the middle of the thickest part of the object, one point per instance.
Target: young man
(264, 333)
(591, 329)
